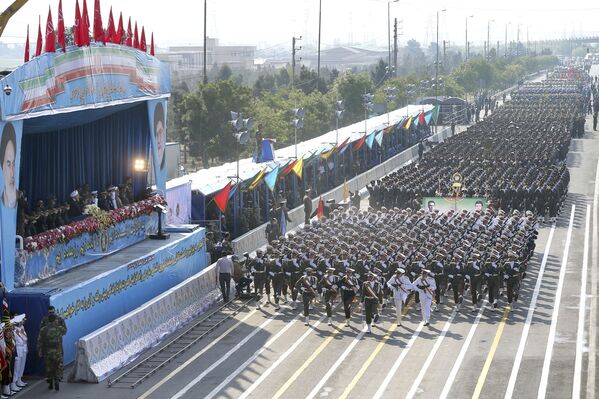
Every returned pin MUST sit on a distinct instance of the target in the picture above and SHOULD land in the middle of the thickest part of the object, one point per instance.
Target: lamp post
(467, 50)
(505, 43)
(205, 40)
(298, 123)
(437, 61)
(389, 28)
(367, 100)
(319, 29)
(390, 96)
(489, 39)
(339, 111)
(241, 127)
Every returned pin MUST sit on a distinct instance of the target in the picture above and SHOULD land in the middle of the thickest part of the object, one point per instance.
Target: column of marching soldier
(516, 158)
(398, 254)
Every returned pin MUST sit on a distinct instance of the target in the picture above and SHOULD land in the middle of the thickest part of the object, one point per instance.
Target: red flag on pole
(222, 197)
(26, 57)
(152, 45)
(320, 209)
(135, 38)
(110, 30)
(120, 32)
(98, 28)
(50, 34)
(142, 41)
(61, 39)
(84, 29)
(38, 47)
(129, 34)
(360, 142)
(78, 25)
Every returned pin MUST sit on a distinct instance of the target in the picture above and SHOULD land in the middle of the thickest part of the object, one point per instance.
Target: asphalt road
(540, 349)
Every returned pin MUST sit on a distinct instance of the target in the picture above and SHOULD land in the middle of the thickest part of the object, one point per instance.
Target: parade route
(540, 348)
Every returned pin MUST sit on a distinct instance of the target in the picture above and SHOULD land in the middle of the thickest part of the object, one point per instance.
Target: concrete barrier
(257, 237)
(120, 342)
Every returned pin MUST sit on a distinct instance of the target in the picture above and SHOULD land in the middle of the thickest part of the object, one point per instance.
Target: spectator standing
(49, 344)
(224, 271)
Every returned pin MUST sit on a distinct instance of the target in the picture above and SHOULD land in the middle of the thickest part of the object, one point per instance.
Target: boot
(56, 384)
(307, 322)
(346, 322)
(330, 321)
(369, 329)
(14, 387)
(6, 390)
(21, 383)
(50, 384)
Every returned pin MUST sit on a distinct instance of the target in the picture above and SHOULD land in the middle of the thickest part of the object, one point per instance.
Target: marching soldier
(426, 287)
(455, 276)
(330, 286)
(371, 290)
(307, 286)
(511, 274)
(277, 275)
(401, 287)
(474, 275)
(440, 278)
(258, 269)
(491, 271)
(349, 288)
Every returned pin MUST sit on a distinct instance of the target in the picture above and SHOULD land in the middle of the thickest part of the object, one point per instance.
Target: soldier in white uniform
(426, 287)
(401, 287)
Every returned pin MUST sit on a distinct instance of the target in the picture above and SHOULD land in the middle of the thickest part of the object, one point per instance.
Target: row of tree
(200, 116)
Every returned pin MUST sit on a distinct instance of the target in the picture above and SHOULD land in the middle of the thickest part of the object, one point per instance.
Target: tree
(283, 79)
(350, 87)
(225, 72)
(413, 58)
(265, 82)
(379, 73)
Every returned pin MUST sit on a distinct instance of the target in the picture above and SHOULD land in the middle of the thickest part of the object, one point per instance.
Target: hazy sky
(267, 23)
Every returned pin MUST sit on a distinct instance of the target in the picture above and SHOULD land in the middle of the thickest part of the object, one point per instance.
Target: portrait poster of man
(445, 204)
(157, 112)
(10, 156)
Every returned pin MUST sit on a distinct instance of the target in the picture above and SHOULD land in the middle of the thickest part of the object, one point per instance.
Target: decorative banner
(157, 116)
(379, 138)
(82, 78)
(271, 178)
(257, 179)
(370, 140)
(298, 167)
(83, 249)
(445, 204)
(179, 204)
(10, 161)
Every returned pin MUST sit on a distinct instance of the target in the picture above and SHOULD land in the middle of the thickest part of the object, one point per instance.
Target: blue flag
(271, 178)
(370, 140)
(379, 138)
(283, 222)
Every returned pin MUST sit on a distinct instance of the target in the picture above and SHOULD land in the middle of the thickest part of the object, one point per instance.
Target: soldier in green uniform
(49, 343)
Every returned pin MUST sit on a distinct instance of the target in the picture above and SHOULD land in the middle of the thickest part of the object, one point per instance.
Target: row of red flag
(113, 34)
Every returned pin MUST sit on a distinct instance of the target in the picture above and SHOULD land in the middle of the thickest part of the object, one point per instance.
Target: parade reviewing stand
(73, 125)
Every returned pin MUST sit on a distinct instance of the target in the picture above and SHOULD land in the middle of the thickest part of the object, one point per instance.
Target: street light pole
(319, 28)
(489, 39)
(437, 61)
(205, 40)
(467, 50)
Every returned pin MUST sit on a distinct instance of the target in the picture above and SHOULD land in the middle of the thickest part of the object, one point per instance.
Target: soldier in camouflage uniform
(49, 343)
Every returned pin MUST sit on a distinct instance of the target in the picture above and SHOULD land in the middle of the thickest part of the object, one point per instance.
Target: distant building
(346, 57)
(191, 58)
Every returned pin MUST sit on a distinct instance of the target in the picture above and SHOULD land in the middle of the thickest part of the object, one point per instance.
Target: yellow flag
(345, 191)
(298, 168)
(257, 179)
(409, 123)
(326, 155)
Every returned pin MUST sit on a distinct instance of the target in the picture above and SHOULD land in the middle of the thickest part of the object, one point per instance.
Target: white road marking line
(430, 357)
(462, 354)
(593, 315)
(404, 353)
(334, 367)
(582, 309)
(531, 310)
(558, 298)
(281, 358)
(242, 367)
(224, 357)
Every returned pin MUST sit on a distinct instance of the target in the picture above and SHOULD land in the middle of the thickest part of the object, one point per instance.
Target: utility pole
(445, 45)
(505, 43)
(293, 51)
(395, 47)
(205, 40)
(518, 41)
(319, 28)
